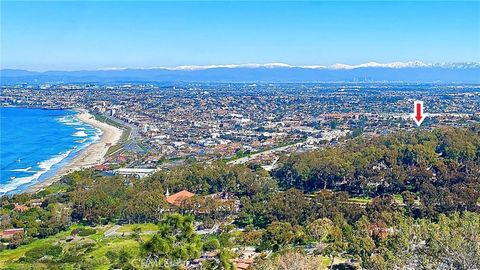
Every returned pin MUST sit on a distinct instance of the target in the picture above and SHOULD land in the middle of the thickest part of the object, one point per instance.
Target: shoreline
(92, 155)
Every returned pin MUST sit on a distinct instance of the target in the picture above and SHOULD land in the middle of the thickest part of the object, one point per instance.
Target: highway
(131, 144)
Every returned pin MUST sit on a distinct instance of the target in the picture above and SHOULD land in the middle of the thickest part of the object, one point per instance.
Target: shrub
(34, 254)
(211, 244)
(86, 232)
(54, 251)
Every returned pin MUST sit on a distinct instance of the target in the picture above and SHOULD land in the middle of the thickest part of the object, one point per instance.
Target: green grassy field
(143, 227)
(365, 199)
(11, 255)
(360, 200)
(101, 245)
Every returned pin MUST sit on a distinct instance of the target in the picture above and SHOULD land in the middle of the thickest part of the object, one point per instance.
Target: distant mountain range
(414, 71)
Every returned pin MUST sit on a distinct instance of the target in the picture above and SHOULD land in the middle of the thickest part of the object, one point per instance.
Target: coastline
(93, 154)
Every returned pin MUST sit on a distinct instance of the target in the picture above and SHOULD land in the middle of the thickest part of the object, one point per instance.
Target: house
(209, 255)
(380, 230)
(246, 258)
(5, 234)
(242, 264)
(226, 198)
(36, 202)
(177, 198)
(101, 167)
(20, 208)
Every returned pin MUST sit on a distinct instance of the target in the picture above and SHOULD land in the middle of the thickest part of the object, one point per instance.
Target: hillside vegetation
(409, 199)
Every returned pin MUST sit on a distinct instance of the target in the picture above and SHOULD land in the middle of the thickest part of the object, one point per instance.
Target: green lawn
(115, 243)
(365, 199)
(360, 200)
(9, 256)
(325, 262)
(52, 189)
(398, 198)
(143, 227)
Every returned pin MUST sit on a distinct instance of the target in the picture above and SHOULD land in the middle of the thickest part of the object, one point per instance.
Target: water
(36, 143)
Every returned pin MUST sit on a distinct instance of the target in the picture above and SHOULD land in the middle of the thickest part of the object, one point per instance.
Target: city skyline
(90, 36)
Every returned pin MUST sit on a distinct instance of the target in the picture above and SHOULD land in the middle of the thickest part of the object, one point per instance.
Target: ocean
(36, 143)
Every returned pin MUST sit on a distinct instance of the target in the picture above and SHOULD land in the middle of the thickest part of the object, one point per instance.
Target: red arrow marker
(418, 115)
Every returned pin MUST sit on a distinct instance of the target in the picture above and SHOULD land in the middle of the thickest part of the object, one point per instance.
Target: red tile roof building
(177, 198)
(11, 232)
(20, 208)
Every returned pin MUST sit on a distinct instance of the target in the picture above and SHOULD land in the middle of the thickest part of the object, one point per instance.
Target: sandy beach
(90, 156)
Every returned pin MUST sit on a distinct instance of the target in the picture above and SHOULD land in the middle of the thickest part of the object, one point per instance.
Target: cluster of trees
(425, 188)
(99, 200)
(175, 243)
(216, 177)
(291, 260)
(209, 210)
(384, 239)
(38, 222)
(442, 166)
(449, 243)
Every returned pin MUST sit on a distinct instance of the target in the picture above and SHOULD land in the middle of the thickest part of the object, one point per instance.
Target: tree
(175, 243)
(144, 205)
(291, 260)
(279, 234)
(451, 243)
(361, 243)
(289, 206)
(319, 229)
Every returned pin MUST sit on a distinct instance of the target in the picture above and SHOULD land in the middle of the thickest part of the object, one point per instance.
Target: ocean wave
(18, 182)
(21, 170)
(69, 121)
(45, 166)
(97, 134)
(80, 128)
(80, 134)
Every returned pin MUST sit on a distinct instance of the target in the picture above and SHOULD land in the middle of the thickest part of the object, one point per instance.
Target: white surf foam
(45, 166)
(80, 134)
(21, 170)
(69, 121)
(97, 134)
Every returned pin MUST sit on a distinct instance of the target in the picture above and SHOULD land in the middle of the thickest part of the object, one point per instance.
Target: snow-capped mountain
(408, 64)
(411, 71)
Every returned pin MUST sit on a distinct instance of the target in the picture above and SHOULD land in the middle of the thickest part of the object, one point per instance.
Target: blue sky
(92, 35)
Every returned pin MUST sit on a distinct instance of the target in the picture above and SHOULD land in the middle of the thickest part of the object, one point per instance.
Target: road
(274, 150)
(134, 135)
(131, 144)
(112, 231)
